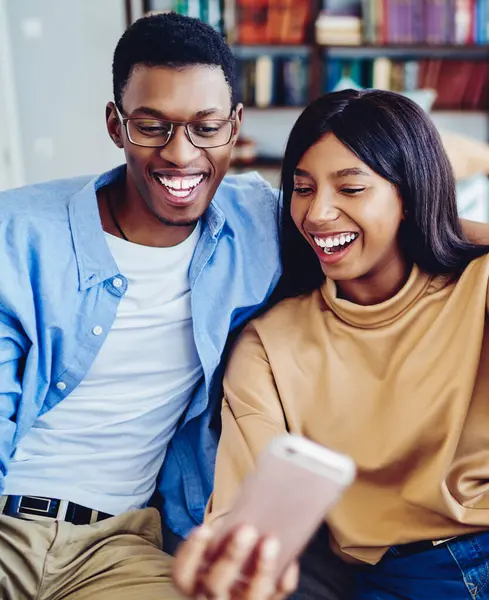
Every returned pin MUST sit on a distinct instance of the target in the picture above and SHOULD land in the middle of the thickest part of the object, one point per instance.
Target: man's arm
(13, 349)
(477, 233)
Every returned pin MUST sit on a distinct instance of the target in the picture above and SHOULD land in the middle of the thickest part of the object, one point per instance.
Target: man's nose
(179, 150)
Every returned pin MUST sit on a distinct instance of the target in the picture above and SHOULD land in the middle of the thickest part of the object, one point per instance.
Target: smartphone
(295, 484)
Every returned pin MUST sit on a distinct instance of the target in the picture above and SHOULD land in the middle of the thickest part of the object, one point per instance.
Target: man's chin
(191, 222)
(187, 216)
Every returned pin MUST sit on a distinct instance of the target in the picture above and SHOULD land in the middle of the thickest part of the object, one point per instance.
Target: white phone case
(295, 484)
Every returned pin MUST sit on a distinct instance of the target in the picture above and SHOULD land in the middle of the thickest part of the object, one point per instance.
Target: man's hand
(240, 568)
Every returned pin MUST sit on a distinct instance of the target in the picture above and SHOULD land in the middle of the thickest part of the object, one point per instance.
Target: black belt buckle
(36, 508)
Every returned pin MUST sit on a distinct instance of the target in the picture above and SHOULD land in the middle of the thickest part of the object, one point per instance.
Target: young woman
(380, 351)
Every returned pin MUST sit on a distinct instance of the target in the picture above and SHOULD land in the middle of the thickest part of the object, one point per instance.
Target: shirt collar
(94, 259)
(214, 217)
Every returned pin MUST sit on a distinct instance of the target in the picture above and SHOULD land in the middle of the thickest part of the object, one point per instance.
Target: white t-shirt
(104, 444)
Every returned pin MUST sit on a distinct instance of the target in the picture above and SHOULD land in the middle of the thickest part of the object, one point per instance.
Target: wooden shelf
(298, 109)
(407, 51)
(248, 51)
(264, 162)
(458, 112)
(363, 51)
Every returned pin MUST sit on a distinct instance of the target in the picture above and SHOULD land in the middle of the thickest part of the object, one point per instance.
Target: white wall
(61, 55)
(11, 163)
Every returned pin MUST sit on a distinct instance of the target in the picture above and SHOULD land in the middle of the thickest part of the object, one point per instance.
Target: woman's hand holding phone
(247, 553)
(242, 566)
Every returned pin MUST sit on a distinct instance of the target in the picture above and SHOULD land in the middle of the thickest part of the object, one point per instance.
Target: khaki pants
(116, 559)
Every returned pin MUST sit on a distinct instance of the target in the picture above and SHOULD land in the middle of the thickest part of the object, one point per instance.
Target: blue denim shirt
(56, 285)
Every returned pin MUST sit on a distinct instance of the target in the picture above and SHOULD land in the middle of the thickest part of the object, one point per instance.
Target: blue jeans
(456, 570)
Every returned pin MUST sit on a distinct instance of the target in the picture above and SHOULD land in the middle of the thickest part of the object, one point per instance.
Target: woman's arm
(252, 416)
(477, 233)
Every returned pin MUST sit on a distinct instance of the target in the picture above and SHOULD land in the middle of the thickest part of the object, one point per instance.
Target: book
(251, 21)
(264, 81)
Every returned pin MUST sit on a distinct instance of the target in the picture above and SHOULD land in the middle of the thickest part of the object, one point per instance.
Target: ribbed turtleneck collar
(377, 314)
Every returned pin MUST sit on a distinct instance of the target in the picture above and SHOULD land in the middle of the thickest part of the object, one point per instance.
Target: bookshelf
(291, 51)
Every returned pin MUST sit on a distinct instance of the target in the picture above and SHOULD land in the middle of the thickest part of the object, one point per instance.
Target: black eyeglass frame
(173, 124)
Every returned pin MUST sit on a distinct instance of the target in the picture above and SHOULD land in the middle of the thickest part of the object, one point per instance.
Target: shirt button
(97, 330)
(117, 282)
(61, 385)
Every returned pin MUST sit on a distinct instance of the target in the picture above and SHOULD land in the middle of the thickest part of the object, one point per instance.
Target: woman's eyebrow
(350, 171)
(301, 173)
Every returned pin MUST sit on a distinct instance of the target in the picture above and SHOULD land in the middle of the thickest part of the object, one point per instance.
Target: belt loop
(62, 510)
(438, 542)
(3, 502)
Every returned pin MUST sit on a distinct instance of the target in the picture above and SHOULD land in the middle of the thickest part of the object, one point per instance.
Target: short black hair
(170, 40)
(396, 139)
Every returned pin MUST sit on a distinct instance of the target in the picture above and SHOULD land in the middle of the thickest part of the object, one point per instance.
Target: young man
(117, 296)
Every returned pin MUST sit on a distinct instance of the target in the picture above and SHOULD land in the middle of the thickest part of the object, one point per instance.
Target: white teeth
(335, 240)
(180, 193)
(180, 183)
(190, 183)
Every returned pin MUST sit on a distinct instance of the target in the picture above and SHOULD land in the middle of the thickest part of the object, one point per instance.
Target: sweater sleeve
(252, 415)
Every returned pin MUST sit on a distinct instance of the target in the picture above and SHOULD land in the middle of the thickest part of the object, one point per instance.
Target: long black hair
(396, 139)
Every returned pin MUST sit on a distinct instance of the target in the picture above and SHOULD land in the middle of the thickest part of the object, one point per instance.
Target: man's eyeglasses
(156, 133)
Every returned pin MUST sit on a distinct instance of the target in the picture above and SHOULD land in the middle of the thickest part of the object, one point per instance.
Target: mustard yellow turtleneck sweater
(402, 387)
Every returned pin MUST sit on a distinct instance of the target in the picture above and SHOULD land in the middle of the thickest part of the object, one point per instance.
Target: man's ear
(238, 117)
(114, 126)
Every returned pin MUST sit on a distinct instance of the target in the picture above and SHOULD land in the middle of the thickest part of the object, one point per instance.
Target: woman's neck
(378, 285)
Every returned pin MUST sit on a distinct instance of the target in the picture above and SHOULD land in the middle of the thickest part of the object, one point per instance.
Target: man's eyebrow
(159, 115)
(206, 113)
(149, 111)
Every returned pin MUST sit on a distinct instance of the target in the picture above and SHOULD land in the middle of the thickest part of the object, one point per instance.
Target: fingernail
(270, 549)
(246, 536)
